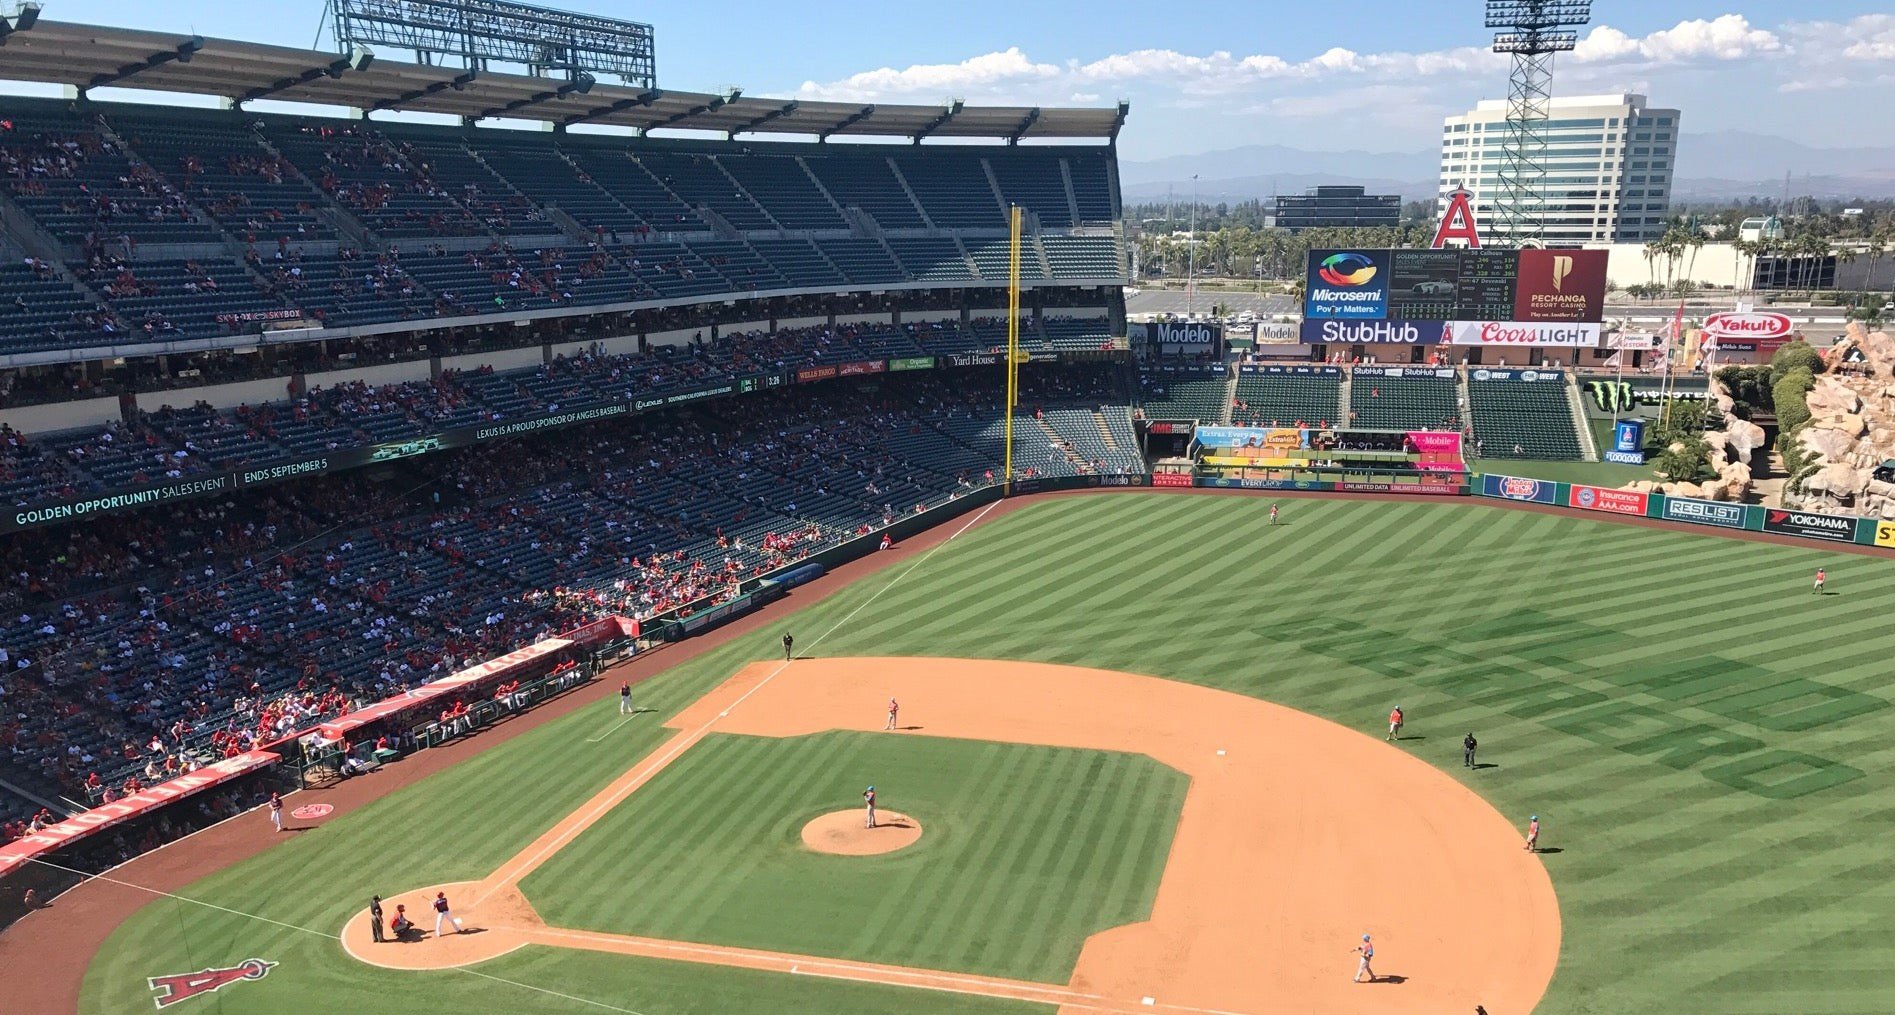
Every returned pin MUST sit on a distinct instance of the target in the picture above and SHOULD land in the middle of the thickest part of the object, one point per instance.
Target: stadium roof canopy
(88, 56)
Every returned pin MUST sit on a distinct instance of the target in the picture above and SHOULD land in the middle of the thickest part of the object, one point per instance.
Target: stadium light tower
(1532, 31)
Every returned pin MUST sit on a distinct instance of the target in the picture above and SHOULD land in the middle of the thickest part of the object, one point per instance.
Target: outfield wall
(1828, 528)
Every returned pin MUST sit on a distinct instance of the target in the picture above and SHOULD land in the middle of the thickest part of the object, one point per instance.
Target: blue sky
(1211, 74)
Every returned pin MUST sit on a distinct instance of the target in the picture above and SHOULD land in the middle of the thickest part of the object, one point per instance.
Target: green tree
(1796, 354)
(1685, 461)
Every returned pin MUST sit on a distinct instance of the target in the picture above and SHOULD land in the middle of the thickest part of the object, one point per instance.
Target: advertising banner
(1530, 376)
(1627, 340)
(1438, 372)
(1566, 334)
(1752, 325)
(1435, 441)
(1170, 427)
(1272, 369)
(149, 799)
(1885, 533)
(1618, 502)
(974, 359)
(1835, 528)
(874, 366)
(1346, 284)
(1560, 285)
(1171, 479)
(1538, 491)
(1278, 438)
(807, 374)
(1443, 489)
(1334, 332)
(1227, 483)
(1628, 435)
(1704, 512)
(1184, 338)
(911, 363)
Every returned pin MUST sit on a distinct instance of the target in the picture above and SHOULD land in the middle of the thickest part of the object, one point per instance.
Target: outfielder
(868, 799)
(276, 810)
(1394, 722)
(1821, 577)
(625, 697)
(1273, 513)
(441, 914)
(894, 708)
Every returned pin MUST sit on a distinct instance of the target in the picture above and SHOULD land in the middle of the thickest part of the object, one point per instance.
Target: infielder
(441, 915)
(1366, 954)
(1468, 744)
(868, 799)
(276, 810)
(1533, 834)
(1394, 722)
(787, 643)
(894, 708)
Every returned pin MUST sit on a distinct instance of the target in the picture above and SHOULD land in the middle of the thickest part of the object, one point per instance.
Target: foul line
(684, 740)
(607, 733)
(312, 931)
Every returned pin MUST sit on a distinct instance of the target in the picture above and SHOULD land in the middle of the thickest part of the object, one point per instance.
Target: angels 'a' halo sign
(1457, 222)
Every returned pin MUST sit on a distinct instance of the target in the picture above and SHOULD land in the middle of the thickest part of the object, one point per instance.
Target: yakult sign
(1521, 333)
(1752, 324)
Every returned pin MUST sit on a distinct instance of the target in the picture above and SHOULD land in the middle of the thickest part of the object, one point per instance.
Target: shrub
(1793, 355)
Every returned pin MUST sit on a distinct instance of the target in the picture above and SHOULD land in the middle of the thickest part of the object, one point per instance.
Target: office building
(1337, 207)
(1608, 167)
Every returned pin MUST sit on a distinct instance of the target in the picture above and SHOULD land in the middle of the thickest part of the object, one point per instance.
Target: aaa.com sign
(1618, 502)
(1754, 324)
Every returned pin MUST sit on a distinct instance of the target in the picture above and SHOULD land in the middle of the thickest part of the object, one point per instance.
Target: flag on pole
(1616, 360)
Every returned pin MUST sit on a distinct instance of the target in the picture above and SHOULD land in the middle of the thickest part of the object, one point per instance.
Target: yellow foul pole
(1013, 337)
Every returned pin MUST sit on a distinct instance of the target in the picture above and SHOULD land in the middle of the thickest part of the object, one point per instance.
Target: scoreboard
(1483, 284)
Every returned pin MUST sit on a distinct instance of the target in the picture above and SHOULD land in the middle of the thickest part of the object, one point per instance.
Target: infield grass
(1025, 852)
(1709, 745)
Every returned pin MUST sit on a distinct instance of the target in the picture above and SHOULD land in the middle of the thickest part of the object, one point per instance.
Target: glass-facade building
(1337, 207)
(1608, 167)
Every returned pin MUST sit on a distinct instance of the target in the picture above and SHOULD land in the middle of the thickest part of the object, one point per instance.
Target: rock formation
(1851, 431)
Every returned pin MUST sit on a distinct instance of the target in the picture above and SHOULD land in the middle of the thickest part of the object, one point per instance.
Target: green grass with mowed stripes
(1025, 852)
(1706, 742)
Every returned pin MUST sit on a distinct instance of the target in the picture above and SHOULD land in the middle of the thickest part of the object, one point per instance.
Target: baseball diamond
(484, 529)
(660, 868)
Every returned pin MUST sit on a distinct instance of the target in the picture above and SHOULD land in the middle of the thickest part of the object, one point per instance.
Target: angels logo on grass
(310, 812)
(183, 985)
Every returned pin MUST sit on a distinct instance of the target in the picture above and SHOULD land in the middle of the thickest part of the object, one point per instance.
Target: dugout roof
(88, 56)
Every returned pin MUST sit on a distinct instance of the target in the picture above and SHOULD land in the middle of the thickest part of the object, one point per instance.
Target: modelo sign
(1753, 324)
(1180, 338)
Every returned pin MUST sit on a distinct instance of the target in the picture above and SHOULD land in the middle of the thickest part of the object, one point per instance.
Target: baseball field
(1142, 766)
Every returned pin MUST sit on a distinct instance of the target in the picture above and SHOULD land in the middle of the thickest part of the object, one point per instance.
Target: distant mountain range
(1718, 165)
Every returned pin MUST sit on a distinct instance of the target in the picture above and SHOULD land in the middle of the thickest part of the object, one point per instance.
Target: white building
(1608, 167)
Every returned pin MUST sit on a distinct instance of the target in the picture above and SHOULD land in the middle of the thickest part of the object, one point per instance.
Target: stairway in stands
(1230, 398)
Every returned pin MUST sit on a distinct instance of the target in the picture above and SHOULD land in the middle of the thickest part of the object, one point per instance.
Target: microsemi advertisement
(1618, 502)
(1343, 284)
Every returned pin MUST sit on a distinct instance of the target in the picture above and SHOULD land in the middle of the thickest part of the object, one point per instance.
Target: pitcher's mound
(842, 833)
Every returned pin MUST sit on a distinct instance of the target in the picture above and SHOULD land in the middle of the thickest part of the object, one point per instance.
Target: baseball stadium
(690, 558)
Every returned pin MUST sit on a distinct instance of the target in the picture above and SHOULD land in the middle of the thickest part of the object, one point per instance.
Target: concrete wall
(1081, 312)
(222, 396)
(92, 412)
(802, 322)
(375, 376)
(499, 359)
(682, 337)
(616, 345)
(931, 315)
(870, 318)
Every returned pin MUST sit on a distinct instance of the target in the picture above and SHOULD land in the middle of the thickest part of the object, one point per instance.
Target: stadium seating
(869, 183)
(379, 180)
(1184, 394)
(76, 182)
(1082, 256)
(932, 259)
(953, 190)
(1284, 399)
(1404, 403)
(779, 184)
(40, 310)
(1521, 419)
(223, 165)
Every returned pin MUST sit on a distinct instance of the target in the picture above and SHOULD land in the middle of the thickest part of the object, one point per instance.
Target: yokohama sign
(1753, 325)
(1521, 333)
(1836, 528)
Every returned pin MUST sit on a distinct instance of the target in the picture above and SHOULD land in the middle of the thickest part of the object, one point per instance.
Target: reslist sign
(1704, 512)
(1346, 284)
(1835, 528)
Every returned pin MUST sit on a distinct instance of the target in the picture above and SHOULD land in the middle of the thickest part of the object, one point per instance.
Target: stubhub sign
(1332, 332)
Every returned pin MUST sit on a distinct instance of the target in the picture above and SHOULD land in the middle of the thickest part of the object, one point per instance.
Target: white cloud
(1727, 37)
(1814, 84)
(935, 80)
(1874, 36)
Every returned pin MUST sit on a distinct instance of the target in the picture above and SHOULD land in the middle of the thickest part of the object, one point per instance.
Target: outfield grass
(1706, 742)
(1588, 473)
(1026, 851)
